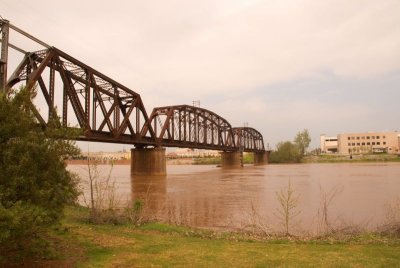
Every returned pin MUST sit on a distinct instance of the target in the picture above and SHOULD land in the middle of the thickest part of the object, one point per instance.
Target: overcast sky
(281, 66)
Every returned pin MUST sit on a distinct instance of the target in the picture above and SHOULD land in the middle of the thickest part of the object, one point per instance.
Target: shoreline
(212, 161)
(182, 161)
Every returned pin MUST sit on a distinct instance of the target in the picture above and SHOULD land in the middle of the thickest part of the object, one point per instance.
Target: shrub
(34, 183)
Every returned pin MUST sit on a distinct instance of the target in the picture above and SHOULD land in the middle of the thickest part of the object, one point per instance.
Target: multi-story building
(365, 142)
(329, 144)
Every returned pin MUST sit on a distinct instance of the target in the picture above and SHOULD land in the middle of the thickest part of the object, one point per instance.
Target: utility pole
(196, 103)
(5, 26)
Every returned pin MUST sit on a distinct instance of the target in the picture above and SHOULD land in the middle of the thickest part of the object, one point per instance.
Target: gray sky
(281, 66)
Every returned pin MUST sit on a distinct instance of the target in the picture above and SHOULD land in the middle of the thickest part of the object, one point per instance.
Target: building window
(358, 144)
(373, 143)
(368, 137)
(348, 138)
(377, 137)
(352, 138)
(373, 137)
(363, 143)
(368, 143)
(378, 143)
(384, 137)
(358, 138)
(353, 144)
(384, 143)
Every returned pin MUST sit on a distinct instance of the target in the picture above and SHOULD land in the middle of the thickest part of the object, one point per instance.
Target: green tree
(34, 183)
(302, 141)
(286, 152)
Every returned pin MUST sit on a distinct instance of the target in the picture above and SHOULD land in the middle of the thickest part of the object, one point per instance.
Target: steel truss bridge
(107, 111)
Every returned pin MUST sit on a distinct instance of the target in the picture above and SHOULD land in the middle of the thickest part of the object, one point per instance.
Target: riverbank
(366, 158)
(249, 159)
(170, 161)
(177, 161)
(78, 243)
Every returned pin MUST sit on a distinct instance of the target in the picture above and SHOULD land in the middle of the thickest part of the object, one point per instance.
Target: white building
(361, 143)
(329, 144)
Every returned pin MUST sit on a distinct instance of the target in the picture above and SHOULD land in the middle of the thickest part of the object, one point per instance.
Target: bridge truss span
(191, 127)
(71, 94)
(248, 139)
(104, 109)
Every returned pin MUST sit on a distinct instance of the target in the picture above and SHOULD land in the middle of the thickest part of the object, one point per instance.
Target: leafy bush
(34, 183)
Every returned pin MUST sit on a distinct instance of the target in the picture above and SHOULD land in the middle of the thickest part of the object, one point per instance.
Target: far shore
(179, 161)
(216, 161)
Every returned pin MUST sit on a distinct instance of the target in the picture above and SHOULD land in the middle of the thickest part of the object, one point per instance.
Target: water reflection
(151, 190)
(185, 200)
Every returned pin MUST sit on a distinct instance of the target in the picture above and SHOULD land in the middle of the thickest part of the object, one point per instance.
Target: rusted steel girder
(191, 127)
(106, 110)
(248, 139)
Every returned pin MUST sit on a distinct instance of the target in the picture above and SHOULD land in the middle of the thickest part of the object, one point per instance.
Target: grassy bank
(247, 159)
(323, 158)
(82, 244)
(367, 158)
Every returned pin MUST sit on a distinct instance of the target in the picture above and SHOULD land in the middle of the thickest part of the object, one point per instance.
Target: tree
(286, 152)
(34, 183)
(302, 141)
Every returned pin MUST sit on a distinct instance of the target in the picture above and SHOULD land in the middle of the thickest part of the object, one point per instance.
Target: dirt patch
(102, 239)
(68, 255)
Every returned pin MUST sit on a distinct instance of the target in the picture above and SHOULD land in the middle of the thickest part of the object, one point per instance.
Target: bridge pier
(148, 161)
(232, 159)
(261, 158)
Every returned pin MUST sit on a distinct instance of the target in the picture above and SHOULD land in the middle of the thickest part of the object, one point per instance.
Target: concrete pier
(148, 161)
(261, 158)
(232, 159)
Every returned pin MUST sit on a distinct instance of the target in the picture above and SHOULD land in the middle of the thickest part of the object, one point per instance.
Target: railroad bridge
(107, 111)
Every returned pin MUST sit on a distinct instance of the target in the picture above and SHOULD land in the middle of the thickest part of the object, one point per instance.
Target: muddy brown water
(208, 196)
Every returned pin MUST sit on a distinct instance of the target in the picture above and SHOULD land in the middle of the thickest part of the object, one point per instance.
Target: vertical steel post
(87, 99)
(52, 111)
(5, 26)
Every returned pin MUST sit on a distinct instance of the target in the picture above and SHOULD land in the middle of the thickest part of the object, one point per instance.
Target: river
(207, 196)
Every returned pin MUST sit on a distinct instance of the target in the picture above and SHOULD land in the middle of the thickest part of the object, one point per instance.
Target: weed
(287, 210)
